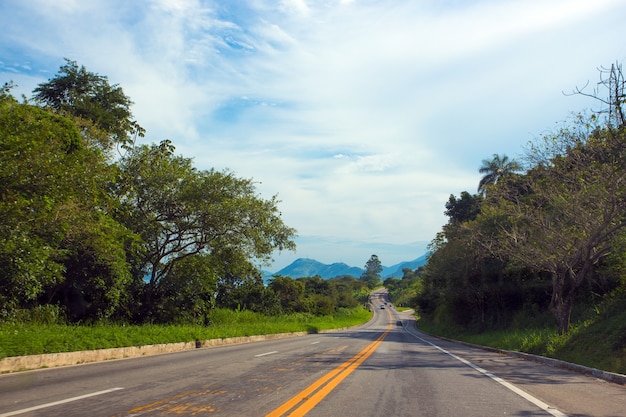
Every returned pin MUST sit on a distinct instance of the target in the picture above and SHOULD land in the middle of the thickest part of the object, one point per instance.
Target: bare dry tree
(612, 80)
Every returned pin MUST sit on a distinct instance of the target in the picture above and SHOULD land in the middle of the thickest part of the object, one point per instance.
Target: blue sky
(362, 115)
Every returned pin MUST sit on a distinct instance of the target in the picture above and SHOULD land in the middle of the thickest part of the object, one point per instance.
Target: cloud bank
(363, 115)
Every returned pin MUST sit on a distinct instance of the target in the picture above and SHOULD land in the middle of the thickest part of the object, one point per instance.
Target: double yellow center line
(316, 392)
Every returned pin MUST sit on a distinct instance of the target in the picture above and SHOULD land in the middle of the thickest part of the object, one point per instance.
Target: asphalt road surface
(384, 368)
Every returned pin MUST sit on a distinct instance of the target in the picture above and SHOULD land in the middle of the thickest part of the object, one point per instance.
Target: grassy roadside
(32, 338)
(597, 341)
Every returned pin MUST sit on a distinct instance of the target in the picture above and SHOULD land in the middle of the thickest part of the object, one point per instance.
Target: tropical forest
(534, 259)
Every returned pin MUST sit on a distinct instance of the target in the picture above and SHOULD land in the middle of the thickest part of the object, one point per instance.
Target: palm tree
(495, 169)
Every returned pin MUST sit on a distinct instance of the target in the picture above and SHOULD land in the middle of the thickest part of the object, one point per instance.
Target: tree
(371, 275)
(454, 279)
(320, 297)
(562, 217)
(235, 276)
(253, 295)
(611, 79)
(317, 285)
(96, 275)
(464, 208)
(290, 293)
(496, 169)
(89, 96)
(57, 242)
(180, 211)
(187, 294)
(349, 291)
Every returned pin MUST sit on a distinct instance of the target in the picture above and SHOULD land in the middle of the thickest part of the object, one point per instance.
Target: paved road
(380, 369)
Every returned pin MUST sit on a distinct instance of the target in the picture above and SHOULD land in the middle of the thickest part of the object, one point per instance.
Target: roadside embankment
(51, 360)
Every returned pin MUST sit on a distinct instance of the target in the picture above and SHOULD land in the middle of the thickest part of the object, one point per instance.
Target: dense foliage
(550, 239)
(145, 237)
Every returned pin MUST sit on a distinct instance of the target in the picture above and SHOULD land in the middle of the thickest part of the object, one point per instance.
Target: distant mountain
(303, 267)
(395, 271)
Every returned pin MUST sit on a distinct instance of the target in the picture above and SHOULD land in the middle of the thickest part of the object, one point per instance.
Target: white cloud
(364, 116)
(299, 7)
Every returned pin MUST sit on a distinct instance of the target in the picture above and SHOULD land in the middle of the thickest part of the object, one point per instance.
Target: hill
(304, 267)
(395, 271)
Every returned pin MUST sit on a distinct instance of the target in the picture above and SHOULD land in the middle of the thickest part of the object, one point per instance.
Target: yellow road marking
(316, 392)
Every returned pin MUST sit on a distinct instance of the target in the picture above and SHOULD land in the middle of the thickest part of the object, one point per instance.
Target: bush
(40, 315)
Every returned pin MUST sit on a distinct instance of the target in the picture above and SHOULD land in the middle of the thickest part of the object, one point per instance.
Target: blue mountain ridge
(304, 267)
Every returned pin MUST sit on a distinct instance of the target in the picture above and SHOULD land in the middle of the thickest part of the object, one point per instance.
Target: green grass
(597, 340)
(33, 339)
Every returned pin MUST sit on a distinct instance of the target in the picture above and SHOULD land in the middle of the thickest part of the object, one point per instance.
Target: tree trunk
(563, 312)
(562, 301)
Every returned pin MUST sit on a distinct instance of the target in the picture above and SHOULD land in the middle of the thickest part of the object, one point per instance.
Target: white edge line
(523, 394)
(259, 355)
(67, 400)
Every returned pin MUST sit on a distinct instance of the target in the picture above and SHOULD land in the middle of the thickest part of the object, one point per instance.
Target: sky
(362, 116)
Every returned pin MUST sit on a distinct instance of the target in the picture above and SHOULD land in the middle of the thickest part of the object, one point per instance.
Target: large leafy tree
(180, 211)
(104, 109)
